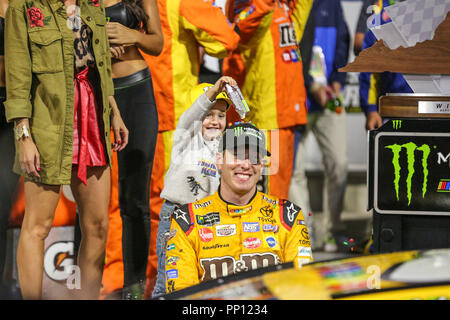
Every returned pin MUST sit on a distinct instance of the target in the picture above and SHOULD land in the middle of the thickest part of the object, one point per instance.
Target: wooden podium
(409, 155)
(409, 173)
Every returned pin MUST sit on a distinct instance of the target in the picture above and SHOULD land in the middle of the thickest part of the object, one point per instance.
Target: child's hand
(219, 86)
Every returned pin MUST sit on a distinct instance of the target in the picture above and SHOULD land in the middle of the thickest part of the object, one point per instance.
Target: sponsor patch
(225, 230)
(289, 214)
(301, 222)
(286, 56)
(172, 274)
(216, 246)
(172, 261)
(172, 234)
(183, 218)
(304, 242)
(209, 219)
(240, 210)
(202, 205)
(252, 243)
(267, 212)
(305, 233)
(304, 252)
(271, 201)
(270, 228)
(250, 226)
(205, 234)
(170, 247)
(182, 215)
(294, 55)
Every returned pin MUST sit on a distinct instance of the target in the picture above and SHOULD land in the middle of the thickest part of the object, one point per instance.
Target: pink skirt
(88, 145)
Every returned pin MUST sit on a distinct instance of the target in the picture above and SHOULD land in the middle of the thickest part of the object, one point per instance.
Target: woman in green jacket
(60, 98)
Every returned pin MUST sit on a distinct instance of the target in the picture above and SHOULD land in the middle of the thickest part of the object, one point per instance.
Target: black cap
(243, 134)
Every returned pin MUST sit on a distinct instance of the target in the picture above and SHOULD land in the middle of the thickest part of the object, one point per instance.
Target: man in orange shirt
(268, 68)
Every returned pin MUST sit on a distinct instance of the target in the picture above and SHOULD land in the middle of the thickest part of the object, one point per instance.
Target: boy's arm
(195, 113)
(181, 258)
(190, 123)
(209, 26)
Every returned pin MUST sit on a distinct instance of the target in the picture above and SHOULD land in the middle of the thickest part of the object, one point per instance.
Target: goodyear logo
(411, 150)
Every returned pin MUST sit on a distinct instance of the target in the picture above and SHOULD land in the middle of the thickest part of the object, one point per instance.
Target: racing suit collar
(235, 210)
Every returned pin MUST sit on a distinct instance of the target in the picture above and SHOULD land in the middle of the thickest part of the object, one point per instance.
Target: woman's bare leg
(40, 205)
(92, 201)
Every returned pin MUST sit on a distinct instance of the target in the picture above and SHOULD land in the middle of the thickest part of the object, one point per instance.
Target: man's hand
(373, 120)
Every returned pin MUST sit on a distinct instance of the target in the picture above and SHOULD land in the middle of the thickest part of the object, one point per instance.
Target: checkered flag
(417, 20)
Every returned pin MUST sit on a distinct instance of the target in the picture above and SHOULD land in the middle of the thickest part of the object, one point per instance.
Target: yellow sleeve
(181, 257)
(209, 26)
(254, 21)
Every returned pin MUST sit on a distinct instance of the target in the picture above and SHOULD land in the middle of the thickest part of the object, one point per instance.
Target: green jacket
(39, 58)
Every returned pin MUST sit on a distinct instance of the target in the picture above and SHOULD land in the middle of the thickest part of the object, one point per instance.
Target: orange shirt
(267, 63)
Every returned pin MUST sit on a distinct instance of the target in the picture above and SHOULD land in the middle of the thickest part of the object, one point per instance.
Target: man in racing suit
(237, 228)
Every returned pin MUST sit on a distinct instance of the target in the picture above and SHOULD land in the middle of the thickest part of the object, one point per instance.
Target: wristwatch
(21, 131)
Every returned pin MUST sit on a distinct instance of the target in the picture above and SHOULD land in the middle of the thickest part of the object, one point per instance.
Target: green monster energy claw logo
(238, 131)
(410, 152)
(396, 124)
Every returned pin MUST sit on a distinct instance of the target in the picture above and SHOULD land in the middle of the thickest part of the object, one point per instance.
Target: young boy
(192, 174)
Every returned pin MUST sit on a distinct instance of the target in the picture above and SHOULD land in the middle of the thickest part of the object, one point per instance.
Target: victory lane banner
(411, 170)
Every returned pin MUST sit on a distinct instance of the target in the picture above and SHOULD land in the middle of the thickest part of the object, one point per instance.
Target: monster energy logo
(410, 152)
(396, 124)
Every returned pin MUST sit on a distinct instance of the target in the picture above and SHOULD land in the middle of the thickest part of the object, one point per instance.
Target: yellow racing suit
(211, 238)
